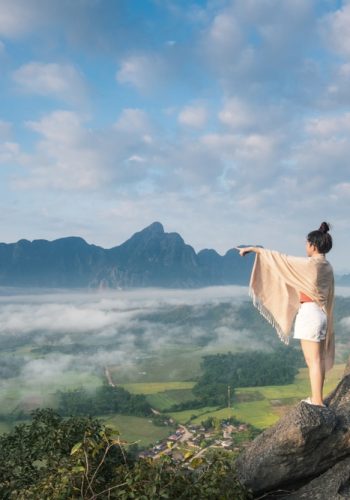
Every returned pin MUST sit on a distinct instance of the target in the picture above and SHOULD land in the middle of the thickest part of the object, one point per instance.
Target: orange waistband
(305, 298)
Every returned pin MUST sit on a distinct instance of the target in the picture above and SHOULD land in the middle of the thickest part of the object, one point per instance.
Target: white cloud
(341, 191)
(145, 72)
(133, 121)
(58, 80)
(336, 28)
(224, 36)
(71, 156)
(47, 369)
(337, 92)
(250, 46)
(237, 114)
(18, 17)
(9, 152)
(193, 116)
(5, 130)
(67, 156)
(329, 126)
(55, 318)
(137, 159)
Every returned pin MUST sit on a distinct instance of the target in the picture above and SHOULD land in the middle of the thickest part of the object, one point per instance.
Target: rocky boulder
(307, 443)
(334, 484)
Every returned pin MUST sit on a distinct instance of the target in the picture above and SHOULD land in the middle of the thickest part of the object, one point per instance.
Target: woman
(285, 288)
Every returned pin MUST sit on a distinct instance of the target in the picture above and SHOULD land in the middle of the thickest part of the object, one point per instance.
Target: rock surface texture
(306, 454)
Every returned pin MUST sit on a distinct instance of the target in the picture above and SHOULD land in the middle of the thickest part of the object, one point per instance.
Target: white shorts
(310, 322)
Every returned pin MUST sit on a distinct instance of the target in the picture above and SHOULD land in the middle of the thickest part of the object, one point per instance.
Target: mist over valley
(59, 340)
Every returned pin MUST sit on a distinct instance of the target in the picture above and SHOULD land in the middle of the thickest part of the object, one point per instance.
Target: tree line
(244, 369)
(222, 373)
(104, 400)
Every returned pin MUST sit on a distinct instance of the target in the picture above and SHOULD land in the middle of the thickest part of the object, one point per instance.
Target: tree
(78, 458)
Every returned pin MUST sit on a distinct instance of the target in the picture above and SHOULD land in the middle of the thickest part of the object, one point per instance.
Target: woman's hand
(244, 251)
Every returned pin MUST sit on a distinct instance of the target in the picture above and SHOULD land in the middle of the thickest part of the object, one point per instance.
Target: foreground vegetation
(56, 459)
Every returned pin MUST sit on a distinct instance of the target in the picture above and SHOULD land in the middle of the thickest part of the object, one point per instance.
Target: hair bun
(324, 227)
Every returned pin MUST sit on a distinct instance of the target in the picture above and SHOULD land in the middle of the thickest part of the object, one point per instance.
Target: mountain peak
(155, 227)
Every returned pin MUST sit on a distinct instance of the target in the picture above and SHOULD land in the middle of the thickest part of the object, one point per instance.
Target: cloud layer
(62, 340)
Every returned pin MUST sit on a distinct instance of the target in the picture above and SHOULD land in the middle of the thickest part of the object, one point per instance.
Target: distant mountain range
(150, 258)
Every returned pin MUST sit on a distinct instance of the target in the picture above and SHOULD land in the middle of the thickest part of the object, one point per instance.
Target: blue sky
(226, 120)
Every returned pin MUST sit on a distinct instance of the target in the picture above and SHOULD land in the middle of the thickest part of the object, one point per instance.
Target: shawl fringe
(269, 317)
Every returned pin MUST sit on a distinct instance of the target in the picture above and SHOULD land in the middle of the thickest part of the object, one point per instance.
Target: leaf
(196, 462)
(78, 468)
(76, 448)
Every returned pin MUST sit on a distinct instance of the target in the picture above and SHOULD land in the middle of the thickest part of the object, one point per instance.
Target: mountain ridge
(150, 257)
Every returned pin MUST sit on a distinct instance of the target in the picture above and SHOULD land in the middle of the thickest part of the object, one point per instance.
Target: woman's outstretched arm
(245, 250)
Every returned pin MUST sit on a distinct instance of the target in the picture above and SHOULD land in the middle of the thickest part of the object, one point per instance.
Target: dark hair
(320, 238)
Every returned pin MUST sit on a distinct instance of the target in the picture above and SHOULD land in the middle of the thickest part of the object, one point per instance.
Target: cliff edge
(306, 454)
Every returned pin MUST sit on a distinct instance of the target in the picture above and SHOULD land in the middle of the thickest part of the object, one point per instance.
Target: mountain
(151, 257)
(343, 280)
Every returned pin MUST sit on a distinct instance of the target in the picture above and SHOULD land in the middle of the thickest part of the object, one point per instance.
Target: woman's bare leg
(314, 357)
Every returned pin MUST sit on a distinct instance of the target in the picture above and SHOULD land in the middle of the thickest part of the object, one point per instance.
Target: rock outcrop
(334, 484)
(306, 454)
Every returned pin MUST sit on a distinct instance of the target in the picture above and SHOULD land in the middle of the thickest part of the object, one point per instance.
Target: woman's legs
(314, 357)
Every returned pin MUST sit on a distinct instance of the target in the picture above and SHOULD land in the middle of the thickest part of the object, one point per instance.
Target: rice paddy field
(137, 429)
(259, 406)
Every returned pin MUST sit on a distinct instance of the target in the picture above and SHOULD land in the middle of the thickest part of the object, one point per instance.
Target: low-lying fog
(64, 338)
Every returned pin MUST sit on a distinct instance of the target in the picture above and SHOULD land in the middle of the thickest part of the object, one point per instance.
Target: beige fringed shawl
(275, 285)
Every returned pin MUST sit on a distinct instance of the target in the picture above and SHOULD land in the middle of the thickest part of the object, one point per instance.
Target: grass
(299, 389)
(163, 400)
(257, 413)
(137, 429)
(263, 413)
(184, 416)
(169, 365)
(156, 387)
(162, 395)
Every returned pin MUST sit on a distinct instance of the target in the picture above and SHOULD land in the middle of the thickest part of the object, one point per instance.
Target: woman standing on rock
(285, 288)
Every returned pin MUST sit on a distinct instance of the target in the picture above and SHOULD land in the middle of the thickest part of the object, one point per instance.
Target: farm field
(156, 387)
(171, 364)
(268, 404)
(164, 400)
(137, 429)
(299, 389)
(162, 395)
